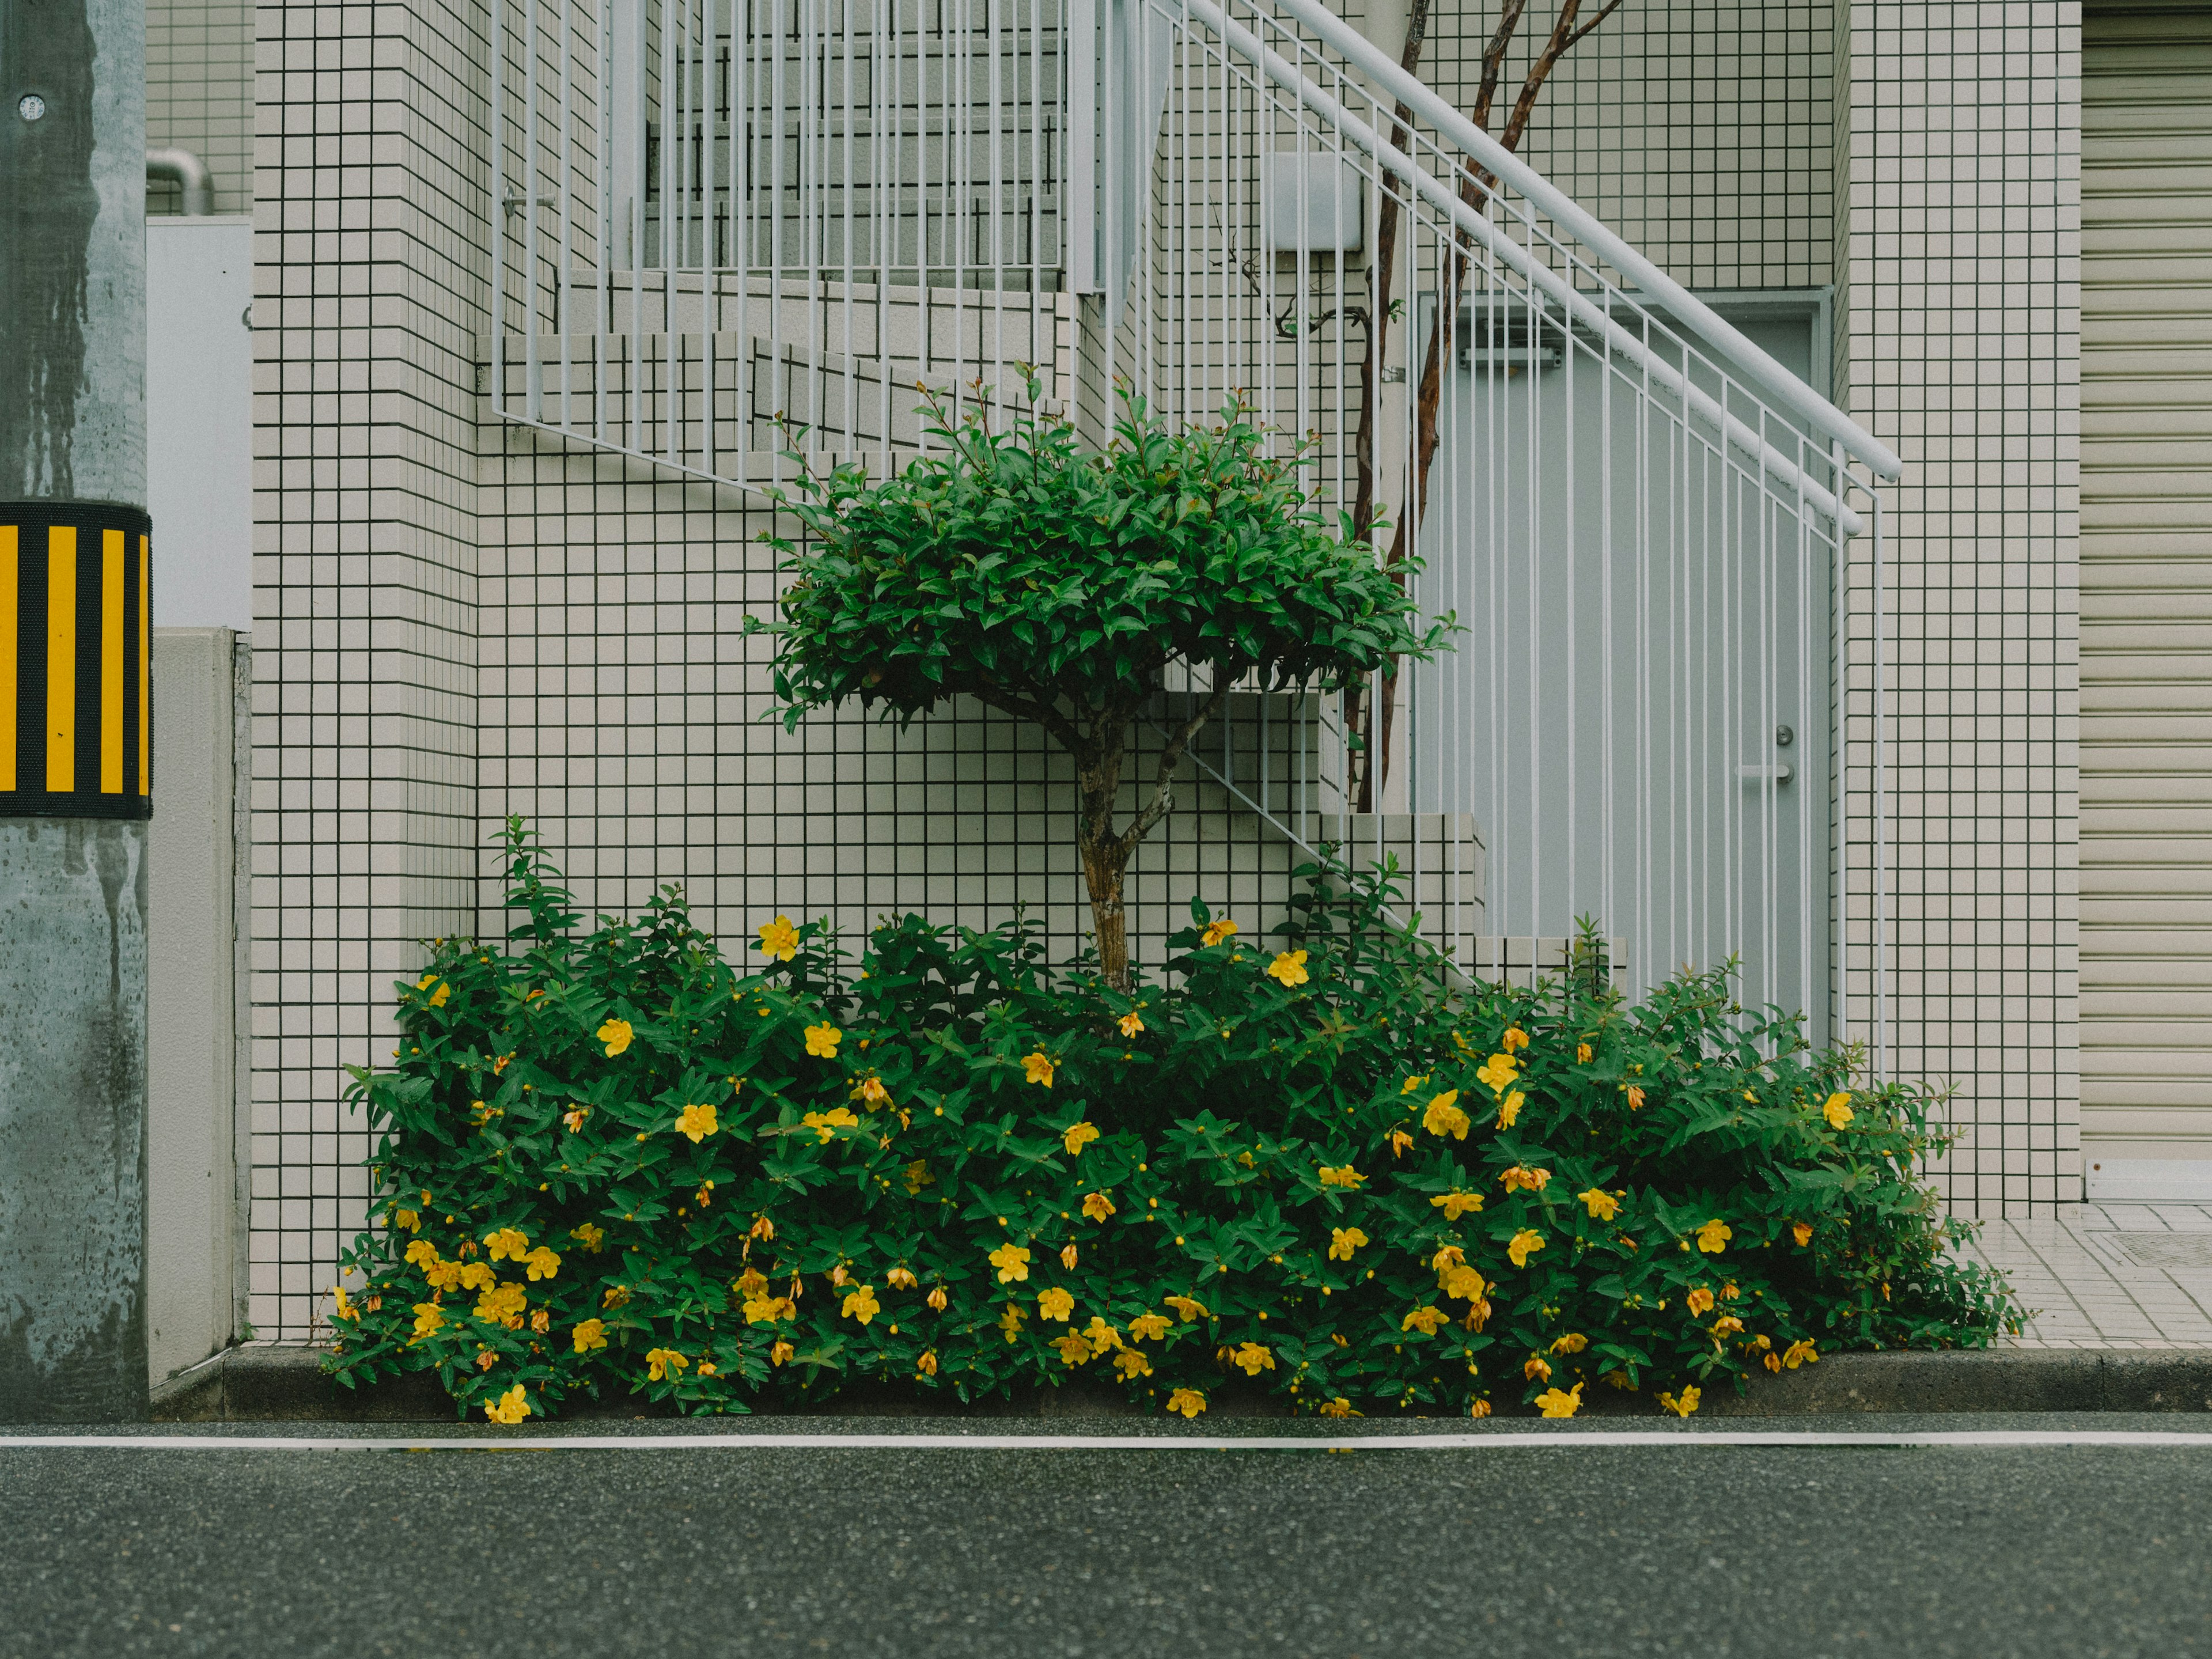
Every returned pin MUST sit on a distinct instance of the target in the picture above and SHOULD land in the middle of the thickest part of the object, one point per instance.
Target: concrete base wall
(196, 1216)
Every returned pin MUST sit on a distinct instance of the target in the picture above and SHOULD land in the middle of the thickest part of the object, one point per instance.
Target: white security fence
(1637, 517)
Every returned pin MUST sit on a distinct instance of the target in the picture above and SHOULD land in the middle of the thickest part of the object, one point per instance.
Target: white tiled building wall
(199, 94)
(454, 621)
(1958, 344)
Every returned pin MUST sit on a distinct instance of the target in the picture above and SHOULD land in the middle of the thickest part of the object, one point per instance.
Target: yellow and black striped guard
(75, 662)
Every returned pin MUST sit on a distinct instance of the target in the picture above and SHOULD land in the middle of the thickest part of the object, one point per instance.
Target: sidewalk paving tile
(2108, 1275)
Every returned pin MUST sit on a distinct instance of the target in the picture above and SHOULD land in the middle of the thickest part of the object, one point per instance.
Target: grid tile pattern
(199, 94)
(1959, 347)
(365, 831)
(2108, 1275)
(1700, 131)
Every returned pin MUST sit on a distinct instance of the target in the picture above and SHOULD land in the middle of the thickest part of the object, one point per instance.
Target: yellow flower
(1101, 1336)
(1509, 1110)
(825, 1125)
(1189, 1307)
(1443, 1118)
(769, 1309)
(1602, 1205)
(937, 1298)
(1572, 1342)
(1411, 1084)
(344, 1307)
(1012, 1263)
(428, 1317)
(1802, 1232)
(780, 1353)
(575, 1116)
(1635, 1098)
(822, 1041)
(1552, 1403)
(1072, 1349)
(616, 1035)
(1700, 1301)
(1423, 1320)
(917, 1175)
(1190, 1401)
(1728, 1325)
(1097, 1206)
(513, 1406)
(1683, 1405)
(902, 1279)
(1463, 1283)
(1455, 1204)
(476, 1276)
(1038, 1068)
(1067, 1257)
(1515, 1038)
(508, 1244)
(1130, 1023)
(1289, 968)
(1525, 1243)
(542, 1262)
(1344, 1176)
(1254, 1358)
(659, 1362)
(779, 939)
(1149, 1327)
(1536, 1369)
(1581, 1054)
(589, 1237)
(437, 997)
(1343, 1241)
(869, 1092)
(1798, 1354)
(1077, 1136)
(861, 1303)
(1837, 1109)
(1399, 1141)
(1713, 1236)
(1216, 932)
(1338, 1407)
(1132, 1364)
(927, 1365)
(408, 1220)
(616, 1296)
(422, 1253)
(592, 1334)
(1499, 1073)
(503, 1305)
(1518, 1177)
(1056, 1303)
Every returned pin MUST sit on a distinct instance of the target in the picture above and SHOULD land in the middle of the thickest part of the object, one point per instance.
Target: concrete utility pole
(74, 710)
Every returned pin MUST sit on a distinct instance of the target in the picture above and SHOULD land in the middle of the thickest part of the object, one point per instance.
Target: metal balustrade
(716, 221)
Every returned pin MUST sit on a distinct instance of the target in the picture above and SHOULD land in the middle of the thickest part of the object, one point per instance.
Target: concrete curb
(263, 1384)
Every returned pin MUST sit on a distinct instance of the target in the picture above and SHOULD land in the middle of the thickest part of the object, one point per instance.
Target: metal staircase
(712, 218)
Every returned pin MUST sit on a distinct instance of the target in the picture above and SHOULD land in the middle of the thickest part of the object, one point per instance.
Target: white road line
(1497, 1440)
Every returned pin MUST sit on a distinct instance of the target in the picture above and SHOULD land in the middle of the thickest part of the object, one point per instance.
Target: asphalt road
(1560, 1549)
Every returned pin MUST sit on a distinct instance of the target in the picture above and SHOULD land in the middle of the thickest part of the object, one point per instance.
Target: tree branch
(1170, 757)
(1061, 729)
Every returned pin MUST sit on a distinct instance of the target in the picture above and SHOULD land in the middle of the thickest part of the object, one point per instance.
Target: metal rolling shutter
(2146, 584)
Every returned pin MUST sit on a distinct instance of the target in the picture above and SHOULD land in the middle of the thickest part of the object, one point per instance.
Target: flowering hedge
(611, 1162)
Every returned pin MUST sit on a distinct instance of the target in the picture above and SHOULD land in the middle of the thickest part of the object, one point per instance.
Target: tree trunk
(1105, 865)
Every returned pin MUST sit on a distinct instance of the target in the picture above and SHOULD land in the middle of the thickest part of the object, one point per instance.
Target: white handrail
(1656, 286)
(1446, 202)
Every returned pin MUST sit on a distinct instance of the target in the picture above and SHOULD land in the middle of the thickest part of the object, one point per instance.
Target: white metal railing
(1638, 514)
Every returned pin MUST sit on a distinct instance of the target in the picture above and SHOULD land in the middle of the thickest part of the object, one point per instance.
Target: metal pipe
(188, 173)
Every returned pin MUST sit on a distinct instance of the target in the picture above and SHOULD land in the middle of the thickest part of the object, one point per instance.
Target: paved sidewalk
(2109, 1275)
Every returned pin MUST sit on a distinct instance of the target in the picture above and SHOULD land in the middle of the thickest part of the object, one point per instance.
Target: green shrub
(609, 1161)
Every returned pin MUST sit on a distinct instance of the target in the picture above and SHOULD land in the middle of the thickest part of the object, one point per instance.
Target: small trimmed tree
(1061, 585)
